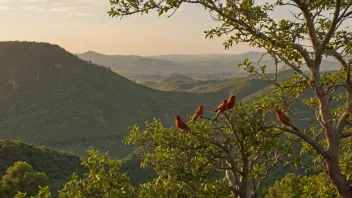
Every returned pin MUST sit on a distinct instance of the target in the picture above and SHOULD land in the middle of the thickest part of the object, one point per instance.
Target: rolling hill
(204, 67)
(147, 70)
(58, 166)
(51, 97)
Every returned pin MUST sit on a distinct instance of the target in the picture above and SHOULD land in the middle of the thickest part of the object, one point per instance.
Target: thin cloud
(75, 7)
(61, 9)
(36, 0)
(81, 14)
(180, 10)
(4, 7)
(79, 25)
(30, 7)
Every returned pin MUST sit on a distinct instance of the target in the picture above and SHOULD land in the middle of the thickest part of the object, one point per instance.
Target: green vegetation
(64, 95)
(51, 97)
(298, 186)
(21, 177)
(103, 179)
(323, 24)
(193, 163)
(57, 166)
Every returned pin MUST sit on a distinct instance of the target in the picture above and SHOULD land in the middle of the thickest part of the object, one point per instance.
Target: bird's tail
(215, 110)
(295, 128)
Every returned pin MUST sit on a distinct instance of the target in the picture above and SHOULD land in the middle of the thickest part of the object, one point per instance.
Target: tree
(21, 177)
(44, 192)
(317, 28)
(230, 157)
(302, 186)
(103, 180)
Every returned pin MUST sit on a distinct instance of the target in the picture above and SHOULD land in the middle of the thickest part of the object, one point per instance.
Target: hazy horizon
(178, 54)
(84, 25)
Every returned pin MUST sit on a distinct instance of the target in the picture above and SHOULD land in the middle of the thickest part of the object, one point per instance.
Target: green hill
(242, 87)
(58, 166)
(51, 97)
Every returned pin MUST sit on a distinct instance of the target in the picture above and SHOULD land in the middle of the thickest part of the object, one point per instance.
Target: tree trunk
(232, 182)
(244, 178)
(337, 178)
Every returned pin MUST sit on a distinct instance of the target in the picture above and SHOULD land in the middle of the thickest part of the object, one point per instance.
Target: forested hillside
(50, 97)
(58, 166)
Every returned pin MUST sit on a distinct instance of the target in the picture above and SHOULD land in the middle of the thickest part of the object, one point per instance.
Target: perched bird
(180, 124)
(221, 108)
(284, 119)
(231, 102)
(198, 113)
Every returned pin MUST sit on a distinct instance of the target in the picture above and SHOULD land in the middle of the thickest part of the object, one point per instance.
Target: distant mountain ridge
(128, 65)
(208, 66)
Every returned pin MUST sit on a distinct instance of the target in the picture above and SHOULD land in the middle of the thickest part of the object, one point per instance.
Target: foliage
(317, 29)
(302, 186)
(103, 179)
(195, 163)
(58, 166)
(21, 177)
(43, 193)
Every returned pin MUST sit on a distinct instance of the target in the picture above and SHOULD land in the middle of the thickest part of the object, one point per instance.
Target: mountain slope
(51, 97)
(58, 166)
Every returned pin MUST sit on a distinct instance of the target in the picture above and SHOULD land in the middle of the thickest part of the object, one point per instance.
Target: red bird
(231, 102)
(284, 119)
(180, 124)
(198, 113)
(221, 108)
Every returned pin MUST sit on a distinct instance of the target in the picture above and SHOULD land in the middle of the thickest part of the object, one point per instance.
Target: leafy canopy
(21, 177)
(216, 159)
(102, 180)
(317, 28)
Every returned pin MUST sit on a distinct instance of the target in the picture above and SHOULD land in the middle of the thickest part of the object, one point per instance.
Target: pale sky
(82, 25)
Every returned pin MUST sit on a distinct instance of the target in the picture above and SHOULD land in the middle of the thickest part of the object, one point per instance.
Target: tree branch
(309, 24)
(319, 148)
(333, 24)
(282, 44)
